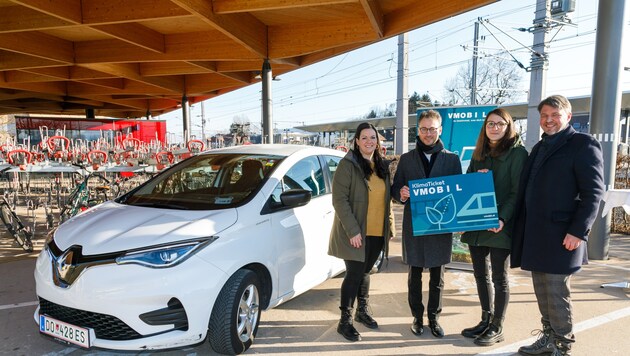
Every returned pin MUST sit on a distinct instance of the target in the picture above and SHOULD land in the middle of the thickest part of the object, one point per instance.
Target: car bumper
(127, 291)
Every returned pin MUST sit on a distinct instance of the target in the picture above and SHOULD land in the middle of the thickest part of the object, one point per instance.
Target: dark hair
(379, 163)
(483, 149)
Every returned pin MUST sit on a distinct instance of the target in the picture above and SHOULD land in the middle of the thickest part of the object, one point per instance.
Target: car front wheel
(236, 314)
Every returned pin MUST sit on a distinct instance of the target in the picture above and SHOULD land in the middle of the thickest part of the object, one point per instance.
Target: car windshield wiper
(162, 205)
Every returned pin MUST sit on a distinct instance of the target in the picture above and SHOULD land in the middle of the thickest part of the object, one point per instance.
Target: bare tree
(498, 83)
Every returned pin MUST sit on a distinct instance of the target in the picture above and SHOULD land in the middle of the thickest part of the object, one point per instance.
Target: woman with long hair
(361, 226)
(499, 150)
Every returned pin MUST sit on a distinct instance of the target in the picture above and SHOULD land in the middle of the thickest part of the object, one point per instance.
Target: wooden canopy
(128, 58)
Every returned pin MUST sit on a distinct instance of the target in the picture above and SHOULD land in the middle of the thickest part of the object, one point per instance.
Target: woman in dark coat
(499, 150)
(361, 227)
(429, 159)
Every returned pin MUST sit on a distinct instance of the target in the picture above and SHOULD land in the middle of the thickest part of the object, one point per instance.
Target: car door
(301, 234)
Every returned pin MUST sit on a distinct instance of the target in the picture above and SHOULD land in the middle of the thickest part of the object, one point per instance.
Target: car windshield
(206, 182)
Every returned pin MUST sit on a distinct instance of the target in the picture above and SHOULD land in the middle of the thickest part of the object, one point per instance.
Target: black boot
(345, 327)
(544, 345)
(479, 328)
(416, 326)
(435, 327)
(363, 315)
(561, 349)
(492, 335)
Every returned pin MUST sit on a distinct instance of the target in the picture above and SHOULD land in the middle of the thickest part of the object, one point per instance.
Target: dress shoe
(416, 327)
(436, 329)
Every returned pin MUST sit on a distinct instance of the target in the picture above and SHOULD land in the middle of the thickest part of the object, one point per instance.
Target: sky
(348, 86)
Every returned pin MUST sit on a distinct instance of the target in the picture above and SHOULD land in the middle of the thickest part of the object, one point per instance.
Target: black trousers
(436, 287)
(356, 282)
(482, 257)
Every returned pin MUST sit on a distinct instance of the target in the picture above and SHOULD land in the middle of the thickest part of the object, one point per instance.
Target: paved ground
(306, 325)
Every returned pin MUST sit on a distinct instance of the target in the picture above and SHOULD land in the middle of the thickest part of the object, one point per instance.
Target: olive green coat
(506, 170)
(350, 200)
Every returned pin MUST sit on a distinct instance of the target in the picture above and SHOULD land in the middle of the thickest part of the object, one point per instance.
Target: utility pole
(267, 103)
(473, 77)
(606, 107)
(401, 130)
(203, 124)
(538, 70)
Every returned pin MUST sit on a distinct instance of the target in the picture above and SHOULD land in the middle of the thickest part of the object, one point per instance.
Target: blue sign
(460, 128)
(464, 202)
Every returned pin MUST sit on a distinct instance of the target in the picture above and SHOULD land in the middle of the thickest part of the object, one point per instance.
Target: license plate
(64, 331)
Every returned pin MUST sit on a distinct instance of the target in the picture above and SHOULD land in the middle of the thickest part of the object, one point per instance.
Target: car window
(306, 174)
(331, 163)
(211, 181)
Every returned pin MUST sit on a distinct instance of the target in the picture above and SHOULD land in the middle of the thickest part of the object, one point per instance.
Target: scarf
(433, 150)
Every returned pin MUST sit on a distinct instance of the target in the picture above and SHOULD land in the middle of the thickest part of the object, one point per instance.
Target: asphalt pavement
(307, 324)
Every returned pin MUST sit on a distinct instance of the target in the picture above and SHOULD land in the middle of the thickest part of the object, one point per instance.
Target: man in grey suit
(561, 187)
(428, 160)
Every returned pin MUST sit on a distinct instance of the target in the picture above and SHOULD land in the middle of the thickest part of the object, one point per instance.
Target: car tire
(236, 314)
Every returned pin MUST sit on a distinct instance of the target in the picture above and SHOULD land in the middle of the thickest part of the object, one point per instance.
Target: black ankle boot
(492, 335)
(479, 328)
(435, 328)
(363, 315)
(345, 327)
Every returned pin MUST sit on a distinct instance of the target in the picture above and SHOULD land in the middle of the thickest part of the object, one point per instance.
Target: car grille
(105, 326)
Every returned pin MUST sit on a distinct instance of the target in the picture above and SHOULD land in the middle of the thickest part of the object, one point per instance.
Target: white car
(198, 251)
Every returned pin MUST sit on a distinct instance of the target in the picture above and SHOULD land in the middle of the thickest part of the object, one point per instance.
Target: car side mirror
(295, 197)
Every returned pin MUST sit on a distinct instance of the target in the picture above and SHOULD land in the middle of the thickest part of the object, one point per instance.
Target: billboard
(460, 128)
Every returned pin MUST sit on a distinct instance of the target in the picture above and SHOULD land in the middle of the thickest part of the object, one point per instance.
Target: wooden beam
(202, 46)
(55, 88)
(39, 45)
(410, 17)
(135, 34)
(20, 18)
(17, 76)
(245, 29)
(171, 68)
(302, 39)
(115, 83)
(131, 71)
(375, 15)
(67, 10)
(245, 77)
(116, 11)
(204, 83)
(78, 73)
(59, 73)
(232, 6)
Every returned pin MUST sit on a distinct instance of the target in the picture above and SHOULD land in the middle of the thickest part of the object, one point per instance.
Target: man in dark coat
(561, 187)
(429, 159)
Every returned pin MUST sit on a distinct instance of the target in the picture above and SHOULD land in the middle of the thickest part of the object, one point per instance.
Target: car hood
(113, 227)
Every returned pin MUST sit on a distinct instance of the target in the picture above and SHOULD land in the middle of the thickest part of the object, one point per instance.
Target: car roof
(275, 149)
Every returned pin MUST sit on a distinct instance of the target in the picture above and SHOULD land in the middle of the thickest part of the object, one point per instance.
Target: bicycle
(21, 234)
(91, 190)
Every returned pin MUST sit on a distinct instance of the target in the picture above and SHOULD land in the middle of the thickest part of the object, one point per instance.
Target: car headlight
(164, 256)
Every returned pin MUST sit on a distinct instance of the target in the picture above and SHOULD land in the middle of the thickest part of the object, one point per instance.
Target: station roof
(127, 58)
(580, 105)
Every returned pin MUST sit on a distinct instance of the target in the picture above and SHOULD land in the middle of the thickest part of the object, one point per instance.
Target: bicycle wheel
(16, 228)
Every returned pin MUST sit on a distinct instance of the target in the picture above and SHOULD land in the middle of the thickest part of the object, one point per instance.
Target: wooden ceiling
(124, 58)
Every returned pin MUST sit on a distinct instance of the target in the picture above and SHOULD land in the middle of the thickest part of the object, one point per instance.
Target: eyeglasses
(432, 130)
(500, 125)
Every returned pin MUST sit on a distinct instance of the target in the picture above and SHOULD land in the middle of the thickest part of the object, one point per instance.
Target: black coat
(427, 250)
(568, 188)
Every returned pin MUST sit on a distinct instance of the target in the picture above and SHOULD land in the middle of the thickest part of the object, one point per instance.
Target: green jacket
(506, 171)
(350, 200)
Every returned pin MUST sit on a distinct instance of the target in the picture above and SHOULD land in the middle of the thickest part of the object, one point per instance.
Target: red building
(88, 129)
